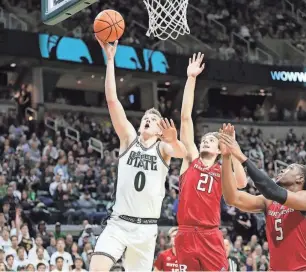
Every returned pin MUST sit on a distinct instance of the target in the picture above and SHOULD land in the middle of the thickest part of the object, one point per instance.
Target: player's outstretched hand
(229, 129)
(168, 132)
(225, 151)
(110, 50)
(195, 66)
(227, 138)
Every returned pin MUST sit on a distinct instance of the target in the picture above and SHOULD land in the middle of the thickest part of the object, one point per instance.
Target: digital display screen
(55, 4)
(55, 11)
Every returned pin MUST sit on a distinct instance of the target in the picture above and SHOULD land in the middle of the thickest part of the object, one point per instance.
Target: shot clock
(55, 11)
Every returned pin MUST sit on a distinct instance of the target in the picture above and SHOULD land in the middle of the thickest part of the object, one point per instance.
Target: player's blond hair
(215, 134)
(172, 230)
(153, 111)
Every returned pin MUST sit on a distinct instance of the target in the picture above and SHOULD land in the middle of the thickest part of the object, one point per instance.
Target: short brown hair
(153, 111)
(215, 134)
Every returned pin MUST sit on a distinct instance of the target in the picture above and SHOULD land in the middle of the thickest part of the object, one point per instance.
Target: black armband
(266, 186)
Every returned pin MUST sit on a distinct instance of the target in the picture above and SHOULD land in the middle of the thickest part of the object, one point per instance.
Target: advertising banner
(74, 50)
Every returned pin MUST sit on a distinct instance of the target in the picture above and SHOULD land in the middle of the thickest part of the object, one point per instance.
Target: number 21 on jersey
(205, 183)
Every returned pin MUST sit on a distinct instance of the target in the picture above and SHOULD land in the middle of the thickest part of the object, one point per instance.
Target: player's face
(149, 125)
(290, 175)
(210, 145)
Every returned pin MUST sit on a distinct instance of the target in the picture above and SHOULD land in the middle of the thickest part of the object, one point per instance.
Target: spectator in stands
(23, 100)
(3, 267)
(88, 206)
(58, 232)
(3, 186)
(61, 165)
(52, 247)
(30, 267)
(42, 267)
(233, 262)
(78, 263)
(25, 240)
(5, 241)
(40, 257)
(59, 264)
(7, 213)
(50, 151)
(59, 180)
(32, 255)
(41, 231)
(14, 246)
(9, 262)
(66, 259)
(2, 254)
(20, 260)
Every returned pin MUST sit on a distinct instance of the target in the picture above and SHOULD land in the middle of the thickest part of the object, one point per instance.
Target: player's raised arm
(240, 175)
(122, 126)
(170, 145)
(195, 67)
(242, 200)
(265, 185)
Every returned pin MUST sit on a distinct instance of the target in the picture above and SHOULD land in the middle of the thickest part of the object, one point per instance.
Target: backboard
(55, 11)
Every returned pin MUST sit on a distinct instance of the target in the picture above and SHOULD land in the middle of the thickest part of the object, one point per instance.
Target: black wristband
(244, 164)
(266, 186)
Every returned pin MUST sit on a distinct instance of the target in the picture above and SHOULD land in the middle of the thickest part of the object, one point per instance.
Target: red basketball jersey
(167, 261)
(200, 195)
(286, 234)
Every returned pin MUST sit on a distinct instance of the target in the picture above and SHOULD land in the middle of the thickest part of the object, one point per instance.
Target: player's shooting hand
(110, 50)
(168, 132)
(195, 66)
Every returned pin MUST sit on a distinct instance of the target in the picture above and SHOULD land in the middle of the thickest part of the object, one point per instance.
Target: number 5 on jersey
(205, 184)
(279, 229)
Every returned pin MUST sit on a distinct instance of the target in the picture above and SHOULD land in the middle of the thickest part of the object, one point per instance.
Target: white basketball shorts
(135, 240)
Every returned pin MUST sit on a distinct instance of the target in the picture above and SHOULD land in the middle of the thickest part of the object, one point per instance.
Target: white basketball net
(167, 18)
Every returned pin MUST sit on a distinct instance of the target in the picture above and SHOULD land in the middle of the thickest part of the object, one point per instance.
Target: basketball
(109, 26)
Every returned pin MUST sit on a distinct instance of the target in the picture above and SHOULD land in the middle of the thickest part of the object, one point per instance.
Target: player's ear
(300, 179)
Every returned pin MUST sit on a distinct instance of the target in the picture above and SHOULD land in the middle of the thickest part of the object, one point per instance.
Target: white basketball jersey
(140, 187)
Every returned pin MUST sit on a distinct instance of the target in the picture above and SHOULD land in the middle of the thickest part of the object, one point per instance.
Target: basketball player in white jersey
(140, 187)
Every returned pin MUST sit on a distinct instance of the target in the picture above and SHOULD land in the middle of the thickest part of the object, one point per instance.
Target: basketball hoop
(167, 18)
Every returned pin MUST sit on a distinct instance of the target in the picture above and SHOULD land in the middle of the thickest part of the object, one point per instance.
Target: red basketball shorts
(200, 249)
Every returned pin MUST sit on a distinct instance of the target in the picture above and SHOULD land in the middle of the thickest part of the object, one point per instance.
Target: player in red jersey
(199, 243)
(283, 201)
(167, 260)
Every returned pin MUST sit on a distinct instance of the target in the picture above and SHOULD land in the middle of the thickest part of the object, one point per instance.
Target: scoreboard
(55, 11)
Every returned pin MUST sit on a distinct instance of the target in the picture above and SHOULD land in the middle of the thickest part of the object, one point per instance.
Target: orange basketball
(109, 26)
